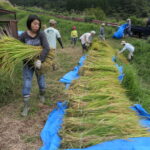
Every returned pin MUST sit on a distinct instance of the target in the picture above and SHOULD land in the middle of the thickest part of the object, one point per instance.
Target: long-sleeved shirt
(128, 47)
(38, 40)
(86, 38)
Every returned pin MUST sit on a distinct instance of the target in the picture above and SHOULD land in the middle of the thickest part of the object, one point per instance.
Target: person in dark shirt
(33, 36)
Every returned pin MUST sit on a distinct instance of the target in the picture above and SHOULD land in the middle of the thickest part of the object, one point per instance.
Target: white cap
(103, 24)
(52, 21)
(123, 42)
(128, 19)
(93, 32)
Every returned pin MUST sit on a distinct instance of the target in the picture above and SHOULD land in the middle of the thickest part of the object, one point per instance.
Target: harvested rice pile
(13, 52)
(99, 108)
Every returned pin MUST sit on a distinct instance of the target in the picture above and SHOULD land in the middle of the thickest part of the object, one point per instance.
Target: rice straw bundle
(12, 52)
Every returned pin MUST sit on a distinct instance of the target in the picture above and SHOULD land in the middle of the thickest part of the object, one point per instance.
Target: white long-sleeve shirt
(86, 38)
(128, 47)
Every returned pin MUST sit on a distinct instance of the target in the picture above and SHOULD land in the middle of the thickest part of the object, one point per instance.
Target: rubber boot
(26, 107)
(42, 96)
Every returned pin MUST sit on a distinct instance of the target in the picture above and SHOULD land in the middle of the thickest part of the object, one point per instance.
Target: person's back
(129, 47)
(102, 30)
(85, 38)
(52, 35)
(74, 34)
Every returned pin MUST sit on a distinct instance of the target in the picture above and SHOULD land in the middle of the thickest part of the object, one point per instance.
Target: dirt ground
(19, 133)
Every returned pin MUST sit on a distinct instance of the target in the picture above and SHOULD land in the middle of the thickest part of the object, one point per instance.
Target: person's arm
(124, 48)
(77, 34)
(45, 46)
(58, 36)
(60, 42)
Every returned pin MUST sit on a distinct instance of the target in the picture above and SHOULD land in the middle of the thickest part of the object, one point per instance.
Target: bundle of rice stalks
(99, 108)
(12, 52)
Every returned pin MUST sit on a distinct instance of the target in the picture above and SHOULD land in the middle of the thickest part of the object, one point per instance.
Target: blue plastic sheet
(144, 115)
(120, 70)
(49, 134)
(73, 75)
(120, 32)
(142, 143)
(20, 32)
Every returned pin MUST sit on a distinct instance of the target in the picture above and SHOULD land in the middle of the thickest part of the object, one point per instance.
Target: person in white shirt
(53, 35)
(129, 47)
(86, 40)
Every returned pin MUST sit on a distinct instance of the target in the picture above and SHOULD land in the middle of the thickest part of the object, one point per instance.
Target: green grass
(137, 80)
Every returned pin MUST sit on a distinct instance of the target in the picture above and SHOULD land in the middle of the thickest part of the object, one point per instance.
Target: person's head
(103, 24)
(128, 19)
(93, 33)
(52, 22)
(74, 28)
(34, 23)
(123, 42)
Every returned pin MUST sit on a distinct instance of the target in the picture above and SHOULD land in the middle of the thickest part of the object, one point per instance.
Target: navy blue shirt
(39, 40)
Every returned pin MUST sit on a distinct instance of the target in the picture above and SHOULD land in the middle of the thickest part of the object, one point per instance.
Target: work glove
(37, 64)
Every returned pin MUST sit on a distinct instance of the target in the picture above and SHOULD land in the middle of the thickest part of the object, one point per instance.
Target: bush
(137, 21)
(97, 12)
(89, 18)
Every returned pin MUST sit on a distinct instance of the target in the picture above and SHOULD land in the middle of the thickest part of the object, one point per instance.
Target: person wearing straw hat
(53, 35)
(86, 40)
(102, 32)
(129, 47)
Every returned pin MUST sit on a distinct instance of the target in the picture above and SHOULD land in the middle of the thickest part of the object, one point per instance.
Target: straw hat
(52, 21)
(123, 42)
(93, 32)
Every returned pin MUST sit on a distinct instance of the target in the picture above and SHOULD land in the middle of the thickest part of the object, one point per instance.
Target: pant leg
(130, 55)
(27, 80)
(75, 41)
(41, 81)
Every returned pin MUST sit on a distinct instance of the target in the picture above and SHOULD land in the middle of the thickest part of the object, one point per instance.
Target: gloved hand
(37, 64)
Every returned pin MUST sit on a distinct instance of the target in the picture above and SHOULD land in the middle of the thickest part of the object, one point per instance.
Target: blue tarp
(120, 70)
(142, 143)
(120, 32)
(20, 32)
(73, 75)
(49, 134)
(144, 115)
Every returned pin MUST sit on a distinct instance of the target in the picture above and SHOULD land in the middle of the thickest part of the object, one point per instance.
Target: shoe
(25, 111)
(42, 99)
